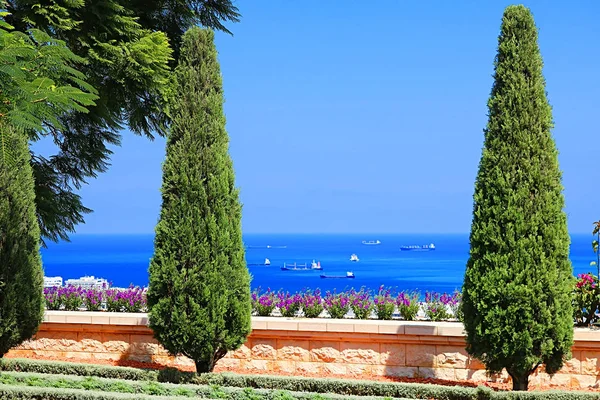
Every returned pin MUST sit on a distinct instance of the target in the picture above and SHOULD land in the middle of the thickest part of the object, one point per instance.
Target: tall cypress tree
(21, 275)
(199, 294)
(516, 299)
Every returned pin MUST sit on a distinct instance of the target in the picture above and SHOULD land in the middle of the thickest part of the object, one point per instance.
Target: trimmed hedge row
(151, 388)
(293, 384)
(67, 384)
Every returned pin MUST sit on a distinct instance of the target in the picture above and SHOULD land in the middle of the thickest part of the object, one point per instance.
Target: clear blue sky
(350, 116)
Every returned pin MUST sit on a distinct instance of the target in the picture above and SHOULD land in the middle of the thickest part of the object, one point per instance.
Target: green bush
(278, 385)
(86, 387)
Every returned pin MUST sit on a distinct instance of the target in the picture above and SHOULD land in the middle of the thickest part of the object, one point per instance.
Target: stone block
(335, 369)
(281, 324)
(395, 372)
(77, 355)
(392, 354)
(366, 326)
(572, 366)
(589, 362)
(259, 324)
(264, 349)
(451, 357)
(311, 326)
(78, 318)
(420, 329)
(109, 356)
(360, 353)
(358, 370)
(324, 351)
(228, 363)
(420, 355)
(91, 345)
(308, 367)
(293, 350)
(259, 365)
(391, 328)
(116, 343)
(100, 319)
(341, 326)
(288, 367)
(242, 353)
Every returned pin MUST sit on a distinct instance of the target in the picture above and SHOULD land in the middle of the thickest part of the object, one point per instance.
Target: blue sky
(358, 118)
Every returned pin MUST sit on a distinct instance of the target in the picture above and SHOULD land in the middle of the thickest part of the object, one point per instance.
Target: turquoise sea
(123, 260)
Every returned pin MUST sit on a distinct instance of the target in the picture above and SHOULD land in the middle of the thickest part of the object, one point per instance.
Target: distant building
(88, 282)
(53, 281)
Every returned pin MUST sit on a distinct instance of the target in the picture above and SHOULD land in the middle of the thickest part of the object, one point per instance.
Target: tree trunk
(203, 367)
(520, 382)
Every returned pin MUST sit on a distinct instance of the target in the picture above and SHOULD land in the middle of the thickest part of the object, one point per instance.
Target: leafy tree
(199, 293)
(128, 49)
(37, 84)
(518, 282)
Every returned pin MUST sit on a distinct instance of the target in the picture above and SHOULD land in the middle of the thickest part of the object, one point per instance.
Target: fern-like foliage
(38, 82)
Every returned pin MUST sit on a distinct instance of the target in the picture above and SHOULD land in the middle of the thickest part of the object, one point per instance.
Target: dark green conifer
(21, 275)
(516, 299)
(199, 294)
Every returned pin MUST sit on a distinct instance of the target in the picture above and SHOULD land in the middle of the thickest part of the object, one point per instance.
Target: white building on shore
(53, 281)
(88, 282)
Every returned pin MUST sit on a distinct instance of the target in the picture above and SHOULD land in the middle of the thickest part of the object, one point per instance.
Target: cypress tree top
(517, 285)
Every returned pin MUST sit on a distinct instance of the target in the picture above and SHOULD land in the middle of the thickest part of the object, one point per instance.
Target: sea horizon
(123, 260)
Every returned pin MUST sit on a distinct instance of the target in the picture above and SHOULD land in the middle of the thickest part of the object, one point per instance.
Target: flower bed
(73, 298)
(386, 304)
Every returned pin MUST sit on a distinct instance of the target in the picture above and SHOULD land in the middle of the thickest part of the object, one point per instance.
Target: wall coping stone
(328, 325)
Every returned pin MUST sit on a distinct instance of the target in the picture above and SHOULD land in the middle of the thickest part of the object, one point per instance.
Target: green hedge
(165, 390)
(292, 384)
(8, 392)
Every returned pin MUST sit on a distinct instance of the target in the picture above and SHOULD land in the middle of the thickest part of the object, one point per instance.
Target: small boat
(316, 265)
(354, 258)
(349, 275)
(266, 263)
(425, 247)
(276, 247)
(371, 242)
(295, 267)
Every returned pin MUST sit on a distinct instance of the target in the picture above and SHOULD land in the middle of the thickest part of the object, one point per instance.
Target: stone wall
(313, 347)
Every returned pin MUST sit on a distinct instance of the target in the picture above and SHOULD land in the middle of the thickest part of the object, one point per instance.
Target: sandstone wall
(318, 347)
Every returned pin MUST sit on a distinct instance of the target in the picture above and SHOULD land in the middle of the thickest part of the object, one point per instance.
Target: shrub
(384, 304)
(312, 303)
(289, 305)
(517, 289)
(454, 303)
(51, 298)
(263, 303)
(408, 305)
(435, 306)
(199, 293)
(92, 299)
(586, 299)
(361, 303)
(336, 304)
(70, 297)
